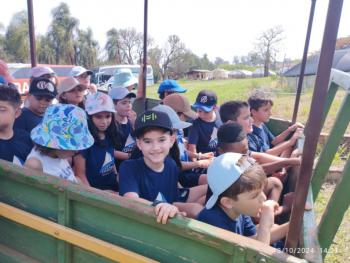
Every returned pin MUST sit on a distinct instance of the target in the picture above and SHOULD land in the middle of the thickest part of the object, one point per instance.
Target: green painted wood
(277, 126)
(331, 146)
(334, 213)
(82, 256)
(119, 221)
(8, 255)
(63, 248)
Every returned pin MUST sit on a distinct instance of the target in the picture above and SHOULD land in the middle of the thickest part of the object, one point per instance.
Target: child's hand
(204, 163)
(267, 213)
(295, 126)
(132, 116)
(164, 211)
(207, 155)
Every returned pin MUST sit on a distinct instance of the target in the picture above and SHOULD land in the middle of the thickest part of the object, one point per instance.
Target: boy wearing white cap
(83, 75)
(237, 186)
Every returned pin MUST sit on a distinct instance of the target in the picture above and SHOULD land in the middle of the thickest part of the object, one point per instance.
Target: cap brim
(43, 94)
(191, 114)
(197, 106)
(181, 125)
(211, 202)
(178, 89)
(137, 132)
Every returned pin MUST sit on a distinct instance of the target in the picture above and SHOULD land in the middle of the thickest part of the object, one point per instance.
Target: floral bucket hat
(98, 102)
(64, 127)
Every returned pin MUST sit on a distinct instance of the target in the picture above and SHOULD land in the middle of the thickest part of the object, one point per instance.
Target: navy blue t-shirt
(204, 135)
(260, 139)
(17, 148)
(135, 176)
(215, 216)
(99, 166)
(27, 120)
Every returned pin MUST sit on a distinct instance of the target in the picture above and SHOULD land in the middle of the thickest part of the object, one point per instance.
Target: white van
(103, 75)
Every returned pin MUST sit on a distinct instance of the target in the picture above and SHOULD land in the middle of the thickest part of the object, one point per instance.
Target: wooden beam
(74, 237)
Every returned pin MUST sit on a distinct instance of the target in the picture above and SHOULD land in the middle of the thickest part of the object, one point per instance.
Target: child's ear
(138, 144)
(18, 112)
(226, 202)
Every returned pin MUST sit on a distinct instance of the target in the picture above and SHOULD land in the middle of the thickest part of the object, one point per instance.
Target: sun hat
(42, 87)
(170, 85)
(39, 71)
(124, 78)
(180, 103)
(206, 100)
(175, 120)
(98, 102)
(120, 93)
(78, 70)
(222, 173)
(152, 118)
(68, 84)
(64, 127)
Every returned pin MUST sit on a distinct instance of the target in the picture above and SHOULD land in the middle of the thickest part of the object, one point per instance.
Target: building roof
(341, 61)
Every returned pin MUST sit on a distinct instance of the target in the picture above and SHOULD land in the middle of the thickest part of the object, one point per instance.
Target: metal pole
(144, 64)
(313, 129)
(303, 63)
(31, 33)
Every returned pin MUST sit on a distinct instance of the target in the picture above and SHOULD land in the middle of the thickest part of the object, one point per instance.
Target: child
(202, 137)
(83, 76)
(41, 93)
(15, 145)
(181, 106)
(237, 186)
(124, 78)
(168, 87)
(43, 72)
(62, 133)
(95, 165)
(155, 175)
(124, 118)
(71, 91)
(261, 139)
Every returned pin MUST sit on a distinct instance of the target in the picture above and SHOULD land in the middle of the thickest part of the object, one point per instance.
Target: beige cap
(68, 84)
(180, 103)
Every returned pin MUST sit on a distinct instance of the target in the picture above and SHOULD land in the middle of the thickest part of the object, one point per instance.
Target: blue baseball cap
(170, 85)
(206, 100)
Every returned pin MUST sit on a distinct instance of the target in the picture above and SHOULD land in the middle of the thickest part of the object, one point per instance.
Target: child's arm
(196, 164)
(266, 221)
(80, 169)
(121, 155)
(192, 149)
(278, 149)
(271, 163)
(163, 210)
(34, 164)
(279, 232)
(283, 135)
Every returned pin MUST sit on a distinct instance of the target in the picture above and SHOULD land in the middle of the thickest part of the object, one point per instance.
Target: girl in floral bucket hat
(61, 134)
(95, 166)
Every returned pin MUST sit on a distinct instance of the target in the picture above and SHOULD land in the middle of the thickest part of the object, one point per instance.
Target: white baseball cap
(222, 173)
(120, 93)
(78, 70)
(39, 71)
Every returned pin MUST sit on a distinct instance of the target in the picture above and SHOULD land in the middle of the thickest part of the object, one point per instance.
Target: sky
(219, 28)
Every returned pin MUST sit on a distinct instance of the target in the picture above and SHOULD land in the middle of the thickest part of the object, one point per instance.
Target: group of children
(220, 165)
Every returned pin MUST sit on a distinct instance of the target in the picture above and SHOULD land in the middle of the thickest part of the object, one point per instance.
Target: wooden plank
(69, 235)
(335, 210)
(64, 249)
(9, 255)
(331, 146)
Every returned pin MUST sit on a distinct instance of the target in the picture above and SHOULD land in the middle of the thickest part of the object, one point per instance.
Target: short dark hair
(259, 99)
(230, 133)
(10, 95)
(253, 178)
(229, 111)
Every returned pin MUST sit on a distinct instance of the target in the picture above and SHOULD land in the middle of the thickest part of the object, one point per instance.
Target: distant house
(240, 73)
(200, 74)
(220, 73)
(259, 73)
(341, 61)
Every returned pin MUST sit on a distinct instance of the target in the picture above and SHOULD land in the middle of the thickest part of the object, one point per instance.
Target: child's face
(155, 146)
(237, 147)
(248, 203)
(84, 79)
(245, 119)
(39, 104)
(102, 120)
(263, 114)
(8, 114)
(74, 96)
(205, 116)
(123, 107)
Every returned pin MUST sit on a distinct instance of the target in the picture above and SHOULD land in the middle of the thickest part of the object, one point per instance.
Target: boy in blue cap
(168, 87)
(237, 185)
(202, 137)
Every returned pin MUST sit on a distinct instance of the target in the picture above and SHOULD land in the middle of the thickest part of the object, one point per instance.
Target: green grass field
(283, 98)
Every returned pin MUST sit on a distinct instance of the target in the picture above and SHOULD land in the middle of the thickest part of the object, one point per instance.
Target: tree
(62, 33)
(267, 45)
(17, 38)
(220, 61)
(88, 48)
(45, 52)
(154, 58)
(113, 47)
(130, 41)
(172, 50)
(3, 54)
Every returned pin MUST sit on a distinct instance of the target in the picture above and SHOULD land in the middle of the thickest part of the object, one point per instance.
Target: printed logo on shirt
(213, 139)
(129, 144)
(67, 173)
(108, 165)
(17, 160)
